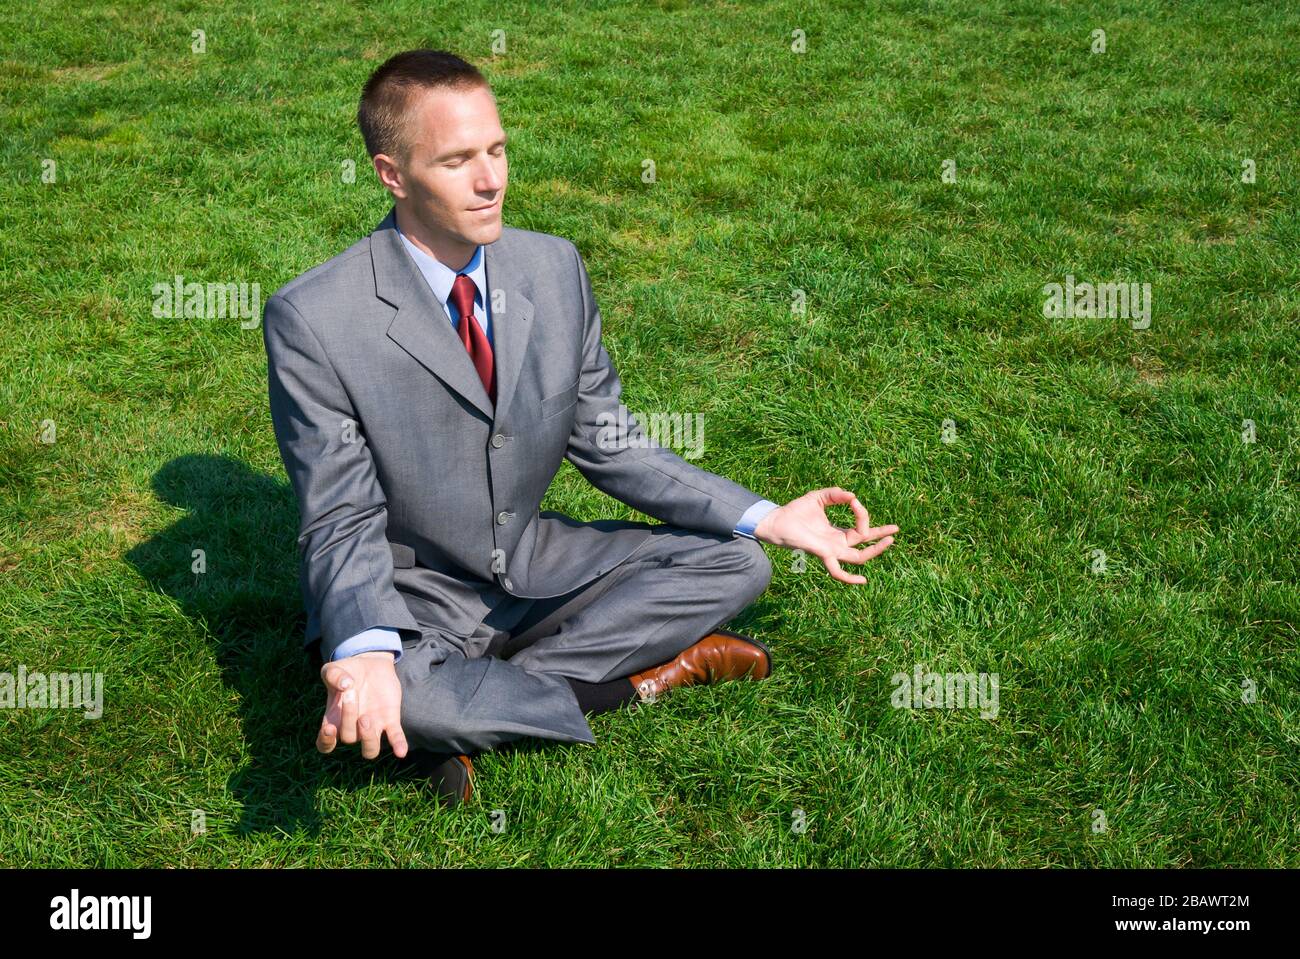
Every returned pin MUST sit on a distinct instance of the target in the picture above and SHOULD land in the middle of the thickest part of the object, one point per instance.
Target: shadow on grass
(249, 599)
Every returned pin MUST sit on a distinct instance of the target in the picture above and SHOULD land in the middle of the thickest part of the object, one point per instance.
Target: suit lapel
(512, 320)
(423, 329)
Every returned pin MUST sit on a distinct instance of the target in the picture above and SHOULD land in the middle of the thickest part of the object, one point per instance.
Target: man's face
(456, 165)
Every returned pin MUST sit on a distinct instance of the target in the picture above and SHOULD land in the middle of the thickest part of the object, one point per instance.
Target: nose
(490, 180)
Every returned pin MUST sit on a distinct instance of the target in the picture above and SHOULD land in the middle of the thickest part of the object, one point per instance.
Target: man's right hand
(364, 698)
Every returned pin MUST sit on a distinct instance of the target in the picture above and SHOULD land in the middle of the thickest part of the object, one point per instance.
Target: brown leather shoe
(718, 657)
(451, 778)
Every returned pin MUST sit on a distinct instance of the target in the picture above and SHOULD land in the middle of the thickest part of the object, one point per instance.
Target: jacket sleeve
(625, 462)
(345, 562)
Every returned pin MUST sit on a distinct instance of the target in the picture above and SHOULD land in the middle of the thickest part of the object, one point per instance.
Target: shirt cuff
(370, 640)
(753, 516)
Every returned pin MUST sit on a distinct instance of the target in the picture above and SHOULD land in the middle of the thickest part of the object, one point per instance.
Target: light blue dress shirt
(440, 279)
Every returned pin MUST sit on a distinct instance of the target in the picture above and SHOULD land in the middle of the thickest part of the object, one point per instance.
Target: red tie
(472, 335)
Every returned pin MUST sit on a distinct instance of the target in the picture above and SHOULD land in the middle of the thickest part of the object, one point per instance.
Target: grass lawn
(1092, 525)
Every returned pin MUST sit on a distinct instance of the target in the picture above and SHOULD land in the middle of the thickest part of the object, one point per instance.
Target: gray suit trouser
(507, 679)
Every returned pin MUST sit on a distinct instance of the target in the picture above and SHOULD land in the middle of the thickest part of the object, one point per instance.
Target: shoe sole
(452, 780)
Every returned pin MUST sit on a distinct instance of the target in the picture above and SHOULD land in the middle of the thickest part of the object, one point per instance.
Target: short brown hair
(386, 96)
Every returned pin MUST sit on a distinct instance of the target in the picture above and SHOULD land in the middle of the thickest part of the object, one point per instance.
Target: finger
(859, 532)
(334, 708)
(327, 738)
(866, 553)
(834, 494)
(861, 519)
(874, 533)
(370, 733)
(833, 568)
(397, 739)
(335, 676)
(348, 723)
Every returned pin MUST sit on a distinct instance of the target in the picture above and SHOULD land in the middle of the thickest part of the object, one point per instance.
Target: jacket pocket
(561, 401)
(403, 556)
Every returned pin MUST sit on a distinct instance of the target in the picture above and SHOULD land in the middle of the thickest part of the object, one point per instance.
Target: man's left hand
(802, 524)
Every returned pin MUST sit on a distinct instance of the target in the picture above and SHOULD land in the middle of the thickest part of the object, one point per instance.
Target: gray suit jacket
(418, 502)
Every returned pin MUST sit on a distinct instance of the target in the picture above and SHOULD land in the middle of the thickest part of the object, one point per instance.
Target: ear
(390, 174)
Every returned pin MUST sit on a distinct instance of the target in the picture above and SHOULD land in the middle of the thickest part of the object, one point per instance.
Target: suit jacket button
(502, 518)
(498, 441)
(506, 583)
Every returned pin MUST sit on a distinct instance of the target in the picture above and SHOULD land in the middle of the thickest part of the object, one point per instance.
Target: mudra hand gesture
(802, 524)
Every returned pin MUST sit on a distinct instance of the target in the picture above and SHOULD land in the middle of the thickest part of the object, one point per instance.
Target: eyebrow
(469, 152)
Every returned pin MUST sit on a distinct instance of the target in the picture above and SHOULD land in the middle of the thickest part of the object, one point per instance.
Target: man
(425, 386)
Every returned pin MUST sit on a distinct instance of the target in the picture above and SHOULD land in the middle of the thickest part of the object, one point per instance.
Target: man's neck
(452, 254)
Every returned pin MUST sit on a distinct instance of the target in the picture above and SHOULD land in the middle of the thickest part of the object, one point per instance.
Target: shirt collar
(440, 277)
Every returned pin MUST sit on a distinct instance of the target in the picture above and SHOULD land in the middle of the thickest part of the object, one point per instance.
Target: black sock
(602, 697)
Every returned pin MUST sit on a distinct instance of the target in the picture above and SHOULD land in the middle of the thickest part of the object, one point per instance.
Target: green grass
(775, 172)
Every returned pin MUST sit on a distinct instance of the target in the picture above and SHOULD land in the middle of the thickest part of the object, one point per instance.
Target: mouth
(484, 209)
